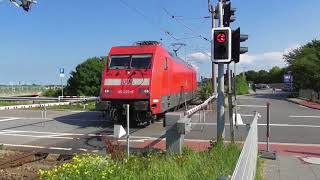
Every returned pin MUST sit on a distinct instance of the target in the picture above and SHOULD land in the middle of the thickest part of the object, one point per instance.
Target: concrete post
(174, 140)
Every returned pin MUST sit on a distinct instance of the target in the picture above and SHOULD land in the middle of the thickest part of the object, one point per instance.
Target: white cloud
(266, 60)
(199, 57)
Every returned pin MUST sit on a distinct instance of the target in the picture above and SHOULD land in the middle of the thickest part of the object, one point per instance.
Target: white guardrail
(201, 106)
(247, 163)
(33, 106)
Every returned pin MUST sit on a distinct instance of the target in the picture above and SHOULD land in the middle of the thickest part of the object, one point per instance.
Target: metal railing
(247, 163)
(178, 124)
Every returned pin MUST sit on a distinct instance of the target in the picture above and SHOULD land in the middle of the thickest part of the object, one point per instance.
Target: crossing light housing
(237, 38)
(228, 15)
(221, 38)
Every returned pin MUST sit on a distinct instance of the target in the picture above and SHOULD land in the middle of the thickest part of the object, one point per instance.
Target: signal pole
(226, 48)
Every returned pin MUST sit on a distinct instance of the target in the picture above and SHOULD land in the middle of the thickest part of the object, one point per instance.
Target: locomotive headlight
(107, 91)
(144, 91)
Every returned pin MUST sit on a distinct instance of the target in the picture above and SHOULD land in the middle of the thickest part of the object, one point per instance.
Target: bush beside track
(219, 161)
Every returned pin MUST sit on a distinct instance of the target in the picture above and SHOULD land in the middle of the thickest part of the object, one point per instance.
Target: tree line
(274, 75)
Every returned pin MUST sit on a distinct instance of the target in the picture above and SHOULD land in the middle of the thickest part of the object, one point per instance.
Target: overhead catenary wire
(136, 10)
(186, 26)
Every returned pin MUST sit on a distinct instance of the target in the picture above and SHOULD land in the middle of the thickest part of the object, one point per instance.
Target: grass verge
(74, 107)
(13, 103)
(260, 166)
(219, 161)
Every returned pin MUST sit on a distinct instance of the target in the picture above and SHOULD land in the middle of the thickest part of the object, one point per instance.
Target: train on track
(148, 78)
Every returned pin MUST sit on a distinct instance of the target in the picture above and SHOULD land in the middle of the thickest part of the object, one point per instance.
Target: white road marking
(291, 144)
(276, 125)
(209, 124)
(42, 132)
(291, 125)
(32, 136)
(247, 115)
(304, 116)
(8, 119)
(260, 106)
(55, 119)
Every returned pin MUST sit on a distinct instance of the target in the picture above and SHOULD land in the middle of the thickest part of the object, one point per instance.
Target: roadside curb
(302, 104)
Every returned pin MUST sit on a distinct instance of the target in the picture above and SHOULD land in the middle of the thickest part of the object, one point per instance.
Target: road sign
(119, 131)
(61, 71)
(287, 78)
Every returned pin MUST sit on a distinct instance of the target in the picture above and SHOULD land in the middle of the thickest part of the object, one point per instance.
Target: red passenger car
(147, 77)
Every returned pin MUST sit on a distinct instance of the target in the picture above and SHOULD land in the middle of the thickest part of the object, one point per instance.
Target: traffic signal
(228, 14)
(221, 44)
(237, 38)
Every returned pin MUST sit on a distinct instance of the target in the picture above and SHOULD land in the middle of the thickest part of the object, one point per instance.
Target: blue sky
(64, 33)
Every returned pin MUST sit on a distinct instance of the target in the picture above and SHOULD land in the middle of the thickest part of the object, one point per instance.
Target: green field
(13, 103)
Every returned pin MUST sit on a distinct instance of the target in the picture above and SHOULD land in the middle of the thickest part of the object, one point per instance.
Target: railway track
(28, 159)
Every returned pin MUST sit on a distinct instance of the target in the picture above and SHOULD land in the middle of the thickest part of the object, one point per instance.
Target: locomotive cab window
(141, 61)
(119, 62)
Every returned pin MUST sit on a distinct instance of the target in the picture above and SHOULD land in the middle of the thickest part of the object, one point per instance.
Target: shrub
(219, 161)
(52, 93)
(241, 85)
(205, 91)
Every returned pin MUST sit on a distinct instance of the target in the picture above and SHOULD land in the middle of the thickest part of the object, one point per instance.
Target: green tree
(276, 74)
(304, 63)
(252, 76)
(205, 90)
(85, 80)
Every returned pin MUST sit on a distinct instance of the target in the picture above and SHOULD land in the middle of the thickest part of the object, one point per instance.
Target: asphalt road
(86, 131)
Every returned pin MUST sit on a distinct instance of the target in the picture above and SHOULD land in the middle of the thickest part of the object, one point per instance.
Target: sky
(54, 34)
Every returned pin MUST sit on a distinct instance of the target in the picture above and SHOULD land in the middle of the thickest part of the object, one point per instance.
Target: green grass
(74, 107)
(13, 103)
(220, 161)
(259, 172)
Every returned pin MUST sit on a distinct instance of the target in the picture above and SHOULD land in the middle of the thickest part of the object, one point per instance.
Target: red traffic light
(221, 38)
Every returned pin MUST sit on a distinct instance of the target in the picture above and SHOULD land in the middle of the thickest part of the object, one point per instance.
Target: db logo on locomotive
(126, 81)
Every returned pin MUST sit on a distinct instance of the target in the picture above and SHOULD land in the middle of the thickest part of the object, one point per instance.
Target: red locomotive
(147, 77)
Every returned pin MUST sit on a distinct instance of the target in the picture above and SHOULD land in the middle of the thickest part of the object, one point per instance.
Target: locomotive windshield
(128, 62)
(120, 62)
(141, 62)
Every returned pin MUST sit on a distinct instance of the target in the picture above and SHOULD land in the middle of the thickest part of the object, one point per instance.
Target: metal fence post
(267, 154)
(268, 125)
(128, 130)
